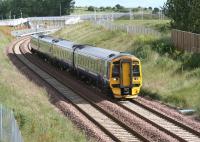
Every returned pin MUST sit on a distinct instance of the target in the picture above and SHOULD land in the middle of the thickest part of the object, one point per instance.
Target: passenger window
(82, 60)
(102, 67)
(66, 55)
(97, 66)
(92, 65)
(87, 63)
(79, 60)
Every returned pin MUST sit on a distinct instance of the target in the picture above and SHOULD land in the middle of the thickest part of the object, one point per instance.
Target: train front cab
(125, 77)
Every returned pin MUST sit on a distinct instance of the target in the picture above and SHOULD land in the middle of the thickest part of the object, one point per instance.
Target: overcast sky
(126, 3)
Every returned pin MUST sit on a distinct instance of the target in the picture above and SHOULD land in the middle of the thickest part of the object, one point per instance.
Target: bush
(21, 119)
(179, 101)
(147, 93)
(195, 74)
(193, 61)
(163, 46)
(143, 53)
(165, 63)
(91, 8)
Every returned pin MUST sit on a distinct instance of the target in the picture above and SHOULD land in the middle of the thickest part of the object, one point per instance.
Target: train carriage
(118, 72)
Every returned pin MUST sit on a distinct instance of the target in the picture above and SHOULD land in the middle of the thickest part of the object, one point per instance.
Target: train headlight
(115, 79)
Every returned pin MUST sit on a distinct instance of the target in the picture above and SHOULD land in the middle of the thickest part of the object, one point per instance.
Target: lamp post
(142, 14)
(21, 13)
(95, 14)
(21, 17)
(10, 15)
(130, 12)
(60, 9)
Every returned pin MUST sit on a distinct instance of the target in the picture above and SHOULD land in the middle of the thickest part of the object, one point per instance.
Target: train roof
(98, 52)
(92, 51)
(65, 44)
(44, 38)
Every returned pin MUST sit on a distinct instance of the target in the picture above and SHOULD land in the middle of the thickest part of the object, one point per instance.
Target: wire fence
(9, 130)
(187, 41)
(91, 16)
(131, 29)
(26, 32)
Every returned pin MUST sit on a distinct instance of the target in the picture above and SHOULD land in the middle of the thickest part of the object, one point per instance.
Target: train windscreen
(116, 70)
(136, 70)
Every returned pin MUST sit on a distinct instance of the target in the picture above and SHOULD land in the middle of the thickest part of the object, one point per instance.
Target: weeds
(147, 93)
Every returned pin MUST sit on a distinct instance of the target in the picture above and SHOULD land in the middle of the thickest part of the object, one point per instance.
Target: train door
(126, 74)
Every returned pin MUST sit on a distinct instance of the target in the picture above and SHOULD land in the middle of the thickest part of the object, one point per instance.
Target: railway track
(169, 126)
(113, 128)
(117, 130)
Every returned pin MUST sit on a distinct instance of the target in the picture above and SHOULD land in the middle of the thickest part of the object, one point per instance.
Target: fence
(186, 41)
(26, 32)
(95, 16)
(13, 22)
(131, 29)
(9, 131)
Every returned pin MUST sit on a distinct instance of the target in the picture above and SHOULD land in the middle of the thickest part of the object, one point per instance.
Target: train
(119, 74)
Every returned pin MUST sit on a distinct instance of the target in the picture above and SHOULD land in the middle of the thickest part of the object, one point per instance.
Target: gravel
(171, 112)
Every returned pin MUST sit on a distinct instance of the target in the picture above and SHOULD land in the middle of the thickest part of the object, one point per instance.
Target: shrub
(163, 46)
(147, 93)
(177, 100)
(21, 119)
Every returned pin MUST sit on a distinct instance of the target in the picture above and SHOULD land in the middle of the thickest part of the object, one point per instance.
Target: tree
(91, 8)
(194, 17)
(35, 7)
(179, 11)
(155, 10)
(102, 8)
(5, 8)
(150, 8)
(108, 8)
(135, 9)
(119, 7)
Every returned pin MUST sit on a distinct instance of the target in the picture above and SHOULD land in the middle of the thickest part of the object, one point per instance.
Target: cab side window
(116, 70)
(136, 70)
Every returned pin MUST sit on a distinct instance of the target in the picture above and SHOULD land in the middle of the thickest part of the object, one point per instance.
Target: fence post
(198, 44)
(1, 129)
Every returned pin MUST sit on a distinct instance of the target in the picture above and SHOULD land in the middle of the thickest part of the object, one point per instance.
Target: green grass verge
(168, 75)
(78, 11)
(38, 119)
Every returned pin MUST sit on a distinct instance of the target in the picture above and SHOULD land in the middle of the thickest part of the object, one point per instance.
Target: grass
(168, 75)
(84, 10)
(38, 119)
(159, 25)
